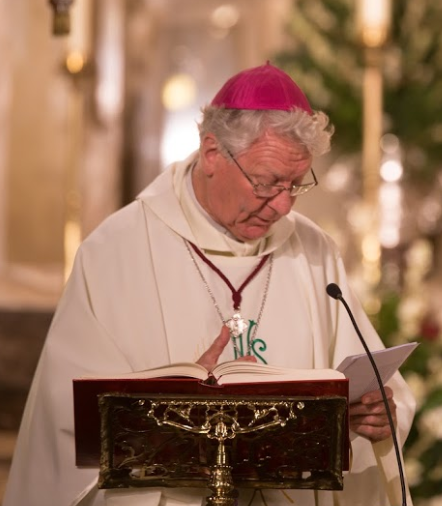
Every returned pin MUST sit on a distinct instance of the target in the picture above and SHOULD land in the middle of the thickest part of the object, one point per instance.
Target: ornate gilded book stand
(223, 442)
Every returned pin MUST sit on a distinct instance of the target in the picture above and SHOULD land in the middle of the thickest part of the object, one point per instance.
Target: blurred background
(96, 98)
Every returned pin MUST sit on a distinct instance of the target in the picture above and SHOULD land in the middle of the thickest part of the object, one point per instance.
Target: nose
(282, 203)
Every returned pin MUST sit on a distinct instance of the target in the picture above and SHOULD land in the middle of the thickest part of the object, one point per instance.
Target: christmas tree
(324, 56)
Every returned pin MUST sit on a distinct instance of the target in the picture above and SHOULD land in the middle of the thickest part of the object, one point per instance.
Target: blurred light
(360, 217)
(179, 140)
(390, 144)
(419, 389)
(391, 171)
(391, 274)
(109, 62)
(430, 214)
(179, 92)
(430, 424)
(225, 16)
(75, 62)
(420, 257)
(390, 207)
(410, 313)
(72, 240)
(390, 197)
(370, 248)
(389, 236)
(338, 177)
(372, 305)
(373, 19)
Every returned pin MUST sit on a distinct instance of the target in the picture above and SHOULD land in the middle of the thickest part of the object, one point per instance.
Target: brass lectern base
(222, 443)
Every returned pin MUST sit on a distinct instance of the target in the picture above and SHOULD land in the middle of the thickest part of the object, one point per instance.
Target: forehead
(273, 151)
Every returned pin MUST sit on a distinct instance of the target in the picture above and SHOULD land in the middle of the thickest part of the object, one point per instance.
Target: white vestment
(135, 300)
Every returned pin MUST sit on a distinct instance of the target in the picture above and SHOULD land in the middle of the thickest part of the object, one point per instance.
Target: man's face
(230, 199)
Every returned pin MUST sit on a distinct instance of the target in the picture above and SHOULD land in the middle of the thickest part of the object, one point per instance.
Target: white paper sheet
(359, 371)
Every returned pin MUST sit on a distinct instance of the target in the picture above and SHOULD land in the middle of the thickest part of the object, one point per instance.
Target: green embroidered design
(256, 346)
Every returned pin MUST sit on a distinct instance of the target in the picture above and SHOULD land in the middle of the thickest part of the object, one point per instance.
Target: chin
(253, 234)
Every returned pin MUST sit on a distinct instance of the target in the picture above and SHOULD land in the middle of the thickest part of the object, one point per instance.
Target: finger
(374, 434)
(371, 409)
(376, 396)
(247, 358)
(210, 357)
(219, 343)
(373, 420)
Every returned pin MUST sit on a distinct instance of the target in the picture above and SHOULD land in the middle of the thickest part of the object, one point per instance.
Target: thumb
(210, 357)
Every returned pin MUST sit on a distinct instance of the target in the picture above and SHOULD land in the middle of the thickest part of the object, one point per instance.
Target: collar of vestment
(171, 200)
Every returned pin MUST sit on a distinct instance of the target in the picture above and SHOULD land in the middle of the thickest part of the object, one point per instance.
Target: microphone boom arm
(334, 291)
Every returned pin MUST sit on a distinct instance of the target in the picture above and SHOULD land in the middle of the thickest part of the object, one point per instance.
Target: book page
(233, 371)
(184, 369)
(359, 371)
(251, 372)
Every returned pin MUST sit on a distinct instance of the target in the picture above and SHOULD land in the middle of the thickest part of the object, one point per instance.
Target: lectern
(180, 433)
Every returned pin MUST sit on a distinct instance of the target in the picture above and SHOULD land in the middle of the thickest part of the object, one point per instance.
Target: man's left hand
(368, 417)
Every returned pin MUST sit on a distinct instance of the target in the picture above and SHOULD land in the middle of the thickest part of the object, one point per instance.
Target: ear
(209, 154)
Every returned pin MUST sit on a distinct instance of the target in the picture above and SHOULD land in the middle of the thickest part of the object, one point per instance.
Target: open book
(231, 372)
(356, 368)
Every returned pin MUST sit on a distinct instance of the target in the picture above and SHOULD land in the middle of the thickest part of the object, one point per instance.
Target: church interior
(97, 98)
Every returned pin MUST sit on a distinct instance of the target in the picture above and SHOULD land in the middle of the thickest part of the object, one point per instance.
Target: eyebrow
(275, 178)
(277, 181)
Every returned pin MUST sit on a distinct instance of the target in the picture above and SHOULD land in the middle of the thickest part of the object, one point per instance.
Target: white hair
(238, 129)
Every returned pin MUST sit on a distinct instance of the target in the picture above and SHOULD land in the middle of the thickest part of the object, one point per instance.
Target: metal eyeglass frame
(270, 191)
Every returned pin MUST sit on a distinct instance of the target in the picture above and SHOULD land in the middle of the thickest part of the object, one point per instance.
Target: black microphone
(334, 291)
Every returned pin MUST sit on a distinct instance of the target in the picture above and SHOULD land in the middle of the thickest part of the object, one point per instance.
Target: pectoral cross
(236, 324)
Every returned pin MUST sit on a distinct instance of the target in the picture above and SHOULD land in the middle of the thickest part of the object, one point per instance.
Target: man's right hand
(209, 359)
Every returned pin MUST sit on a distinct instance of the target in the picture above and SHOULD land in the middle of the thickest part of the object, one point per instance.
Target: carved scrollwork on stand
(221, 443)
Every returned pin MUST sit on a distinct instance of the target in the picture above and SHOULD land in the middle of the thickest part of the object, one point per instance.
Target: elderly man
(210, 263)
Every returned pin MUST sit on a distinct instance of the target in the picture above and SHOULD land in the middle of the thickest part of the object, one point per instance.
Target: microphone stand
(334, 291)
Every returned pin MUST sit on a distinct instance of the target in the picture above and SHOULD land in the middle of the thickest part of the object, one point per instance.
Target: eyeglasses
(269, 191)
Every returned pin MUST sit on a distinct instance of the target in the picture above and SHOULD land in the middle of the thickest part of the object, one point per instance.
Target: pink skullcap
(262, 88)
